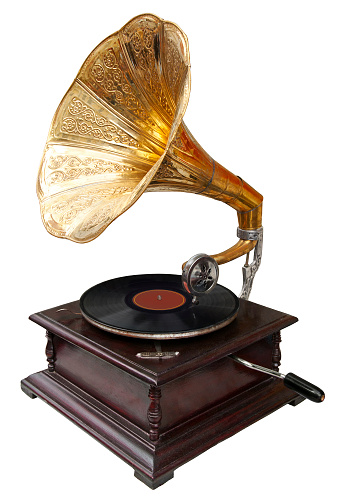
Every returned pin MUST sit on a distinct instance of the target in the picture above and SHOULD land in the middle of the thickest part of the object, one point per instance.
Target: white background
(267, 102)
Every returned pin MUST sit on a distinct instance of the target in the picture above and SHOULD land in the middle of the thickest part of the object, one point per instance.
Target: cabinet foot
(153, 483)
(297, 401)
(27, 391)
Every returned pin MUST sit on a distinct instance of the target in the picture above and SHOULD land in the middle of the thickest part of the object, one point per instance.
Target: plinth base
(154, 463)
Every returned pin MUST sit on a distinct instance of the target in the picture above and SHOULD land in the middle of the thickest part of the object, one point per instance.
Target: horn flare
(118, 131)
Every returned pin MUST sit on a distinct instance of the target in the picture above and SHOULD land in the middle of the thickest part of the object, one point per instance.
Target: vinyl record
(156, 306)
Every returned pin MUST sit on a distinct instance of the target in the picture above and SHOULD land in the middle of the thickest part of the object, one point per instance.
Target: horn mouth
(118, 131)
(114, 127)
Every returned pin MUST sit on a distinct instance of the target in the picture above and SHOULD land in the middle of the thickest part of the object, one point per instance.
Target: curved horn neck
(188, 168)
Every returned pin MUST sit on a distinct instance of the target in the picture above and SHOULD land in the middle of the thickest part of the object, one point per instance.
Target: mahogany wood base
(157, 414)
(154, 463)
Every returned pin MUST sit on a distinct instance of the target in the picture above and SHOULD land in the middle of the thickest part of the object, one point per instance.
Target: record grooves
(156, 306)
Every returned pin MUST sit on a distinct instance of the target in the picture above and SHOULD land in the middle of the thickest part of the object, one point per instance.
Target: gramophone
(157, 367)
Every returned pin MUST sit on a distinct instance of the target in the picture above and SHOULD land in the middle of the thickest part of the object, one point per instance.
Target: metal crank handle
(291, 381)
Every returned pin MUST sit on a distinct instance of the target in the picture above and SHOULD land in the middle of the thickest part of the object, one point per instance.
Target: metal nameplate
(164, 354)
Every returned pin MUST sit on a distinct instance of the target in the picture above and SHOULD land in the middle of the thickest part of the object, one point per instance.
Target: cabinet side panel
(208, 386)
(112, 386)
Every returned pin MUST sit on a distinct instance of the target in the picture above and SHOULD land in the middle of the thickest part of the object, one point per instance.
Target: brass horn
(118, 131)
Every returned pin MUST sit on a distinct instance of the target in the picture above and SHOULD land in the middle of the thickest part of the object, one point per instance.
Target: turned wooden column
(154, 413)
(50, 351)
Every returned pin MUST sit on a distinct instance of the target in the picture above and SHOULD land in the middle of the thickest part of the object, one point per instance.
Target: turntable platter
(156, 306)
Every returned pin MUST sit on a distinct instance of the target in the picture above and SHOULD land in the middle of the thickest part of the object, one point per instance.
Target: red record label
(159, 300)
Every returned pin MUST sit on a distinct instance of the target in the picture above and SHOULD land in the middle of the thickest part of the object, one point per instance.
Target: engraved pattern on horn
(119, 131)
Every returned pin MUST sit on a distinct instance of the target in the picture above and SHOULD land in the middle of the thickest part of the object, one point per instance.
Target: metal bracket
(249, 270)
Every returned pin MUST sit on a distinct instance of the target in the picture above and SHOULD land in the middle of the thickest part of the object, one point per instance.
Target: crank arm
(291, 381)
